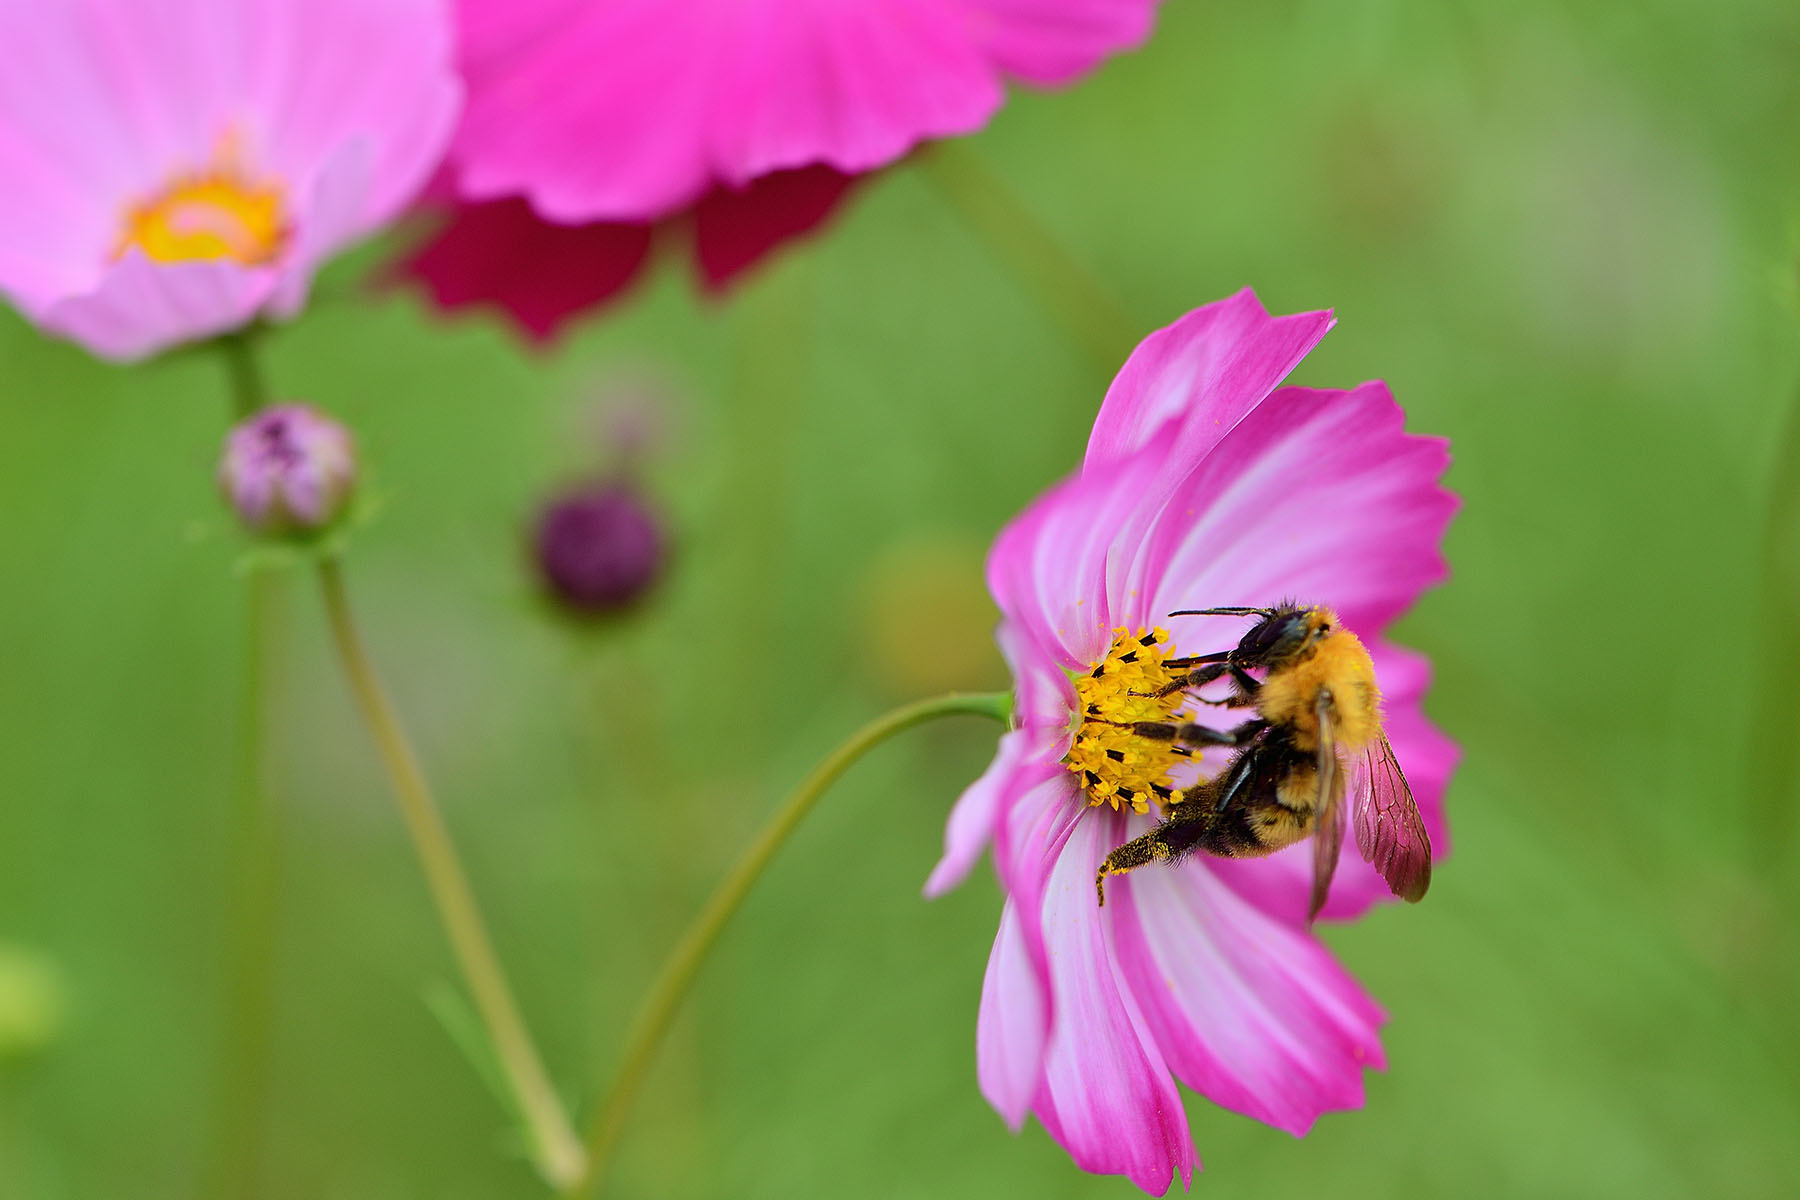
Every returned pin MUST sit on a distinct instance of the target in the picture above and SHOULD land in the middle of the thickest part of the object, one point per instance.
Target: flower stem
(1025, 247)
(250, 900)
(249, 391)
(678, 973)
(555, 1150)
(250, 911)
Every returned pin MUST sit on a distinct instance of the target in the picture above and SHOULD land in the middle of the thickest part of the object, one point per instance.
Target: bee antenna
(1221, 612)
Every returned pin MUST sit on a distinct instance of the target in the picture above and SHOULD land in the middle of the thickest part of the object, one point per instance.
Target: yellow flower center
(1115, 765)
(220, 212)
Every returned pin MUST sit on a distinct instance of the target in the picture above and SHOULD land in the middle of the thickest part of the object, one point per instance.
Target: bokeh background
(1564, 232)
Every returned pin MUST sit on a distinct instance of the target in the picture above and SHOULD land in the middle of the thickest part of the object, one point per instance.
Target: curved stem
(1025, 247)
(671, 987)
(555, 1149)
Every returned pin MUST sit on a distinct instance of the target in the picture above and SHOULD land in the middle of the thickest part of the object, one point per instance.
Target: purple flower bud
(599, 547)
(288, 470)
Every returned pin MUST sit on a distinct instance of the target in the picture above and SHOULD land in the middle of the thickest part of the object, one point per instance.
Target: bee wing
(1389, 831)
(1328, 825)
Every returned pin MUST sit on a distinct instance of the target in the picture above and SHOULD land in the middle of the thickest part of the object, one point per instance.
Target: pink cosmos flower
(1203, 486)
(177, 168)
(752, 114)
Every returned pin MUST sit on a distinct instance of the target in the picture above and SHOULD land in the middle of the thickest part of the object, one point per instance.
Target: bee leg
(1197, 678)
(1185, 661)
(1166, 843)
(1244, 696)
(1227, 785)
(1138, 852)
(1191, 734)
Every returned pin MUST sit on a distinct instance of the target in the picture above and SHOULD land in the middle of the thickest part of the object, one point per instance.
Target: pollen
(1115, 765)
(221, 211)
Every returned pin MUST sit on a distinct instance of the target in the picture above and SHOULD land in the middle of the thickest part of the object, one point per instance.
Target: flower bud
(599, 547)
(288, 470)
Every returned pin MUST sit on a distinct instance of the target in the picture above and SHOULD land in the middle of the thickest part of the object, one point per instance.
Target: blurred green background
(1563, 232)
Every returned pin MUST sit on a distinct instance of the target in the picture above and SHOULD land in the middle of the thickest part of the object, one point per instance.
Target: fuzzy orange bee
(1316, 740)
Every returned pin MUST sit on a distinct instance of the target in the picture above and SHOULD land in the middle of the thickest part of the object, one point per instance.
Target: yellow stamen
(1115, 765)
(219, 212)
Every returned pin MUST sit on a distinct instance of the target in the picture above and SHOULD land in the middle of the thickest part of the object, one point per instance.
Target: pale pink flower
(1203, 486)
(176, 168)
(740, 122)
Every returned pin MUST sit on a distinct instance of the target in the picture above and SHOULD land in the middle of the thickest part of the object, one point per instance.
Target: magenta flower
(175, 170)
(752, 115)
(1203, 486)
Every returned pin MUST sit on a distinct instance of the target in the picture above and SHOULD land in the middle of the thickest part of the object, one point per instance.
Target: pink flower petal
(73, 90)
(336, 201)
(1248, 1010)
(1316, 495)
(494, 33)
(542, 275)
(1012, 1027)
(1052, 42)
(1062, 570)
(742, 88)
(326, 72)
(1018, 766)
(1033, 827)
(1106, 1095)
(140, 307)
(734, 228)
(852, 85)
(1208, 369)
(1028, 754)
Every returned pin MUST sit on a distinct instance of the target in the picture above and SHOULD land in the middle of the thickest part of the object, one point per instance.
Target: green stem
(1027, 248)
(249, 391)
(678, 973)
(250, 913)
(250, 907)
(555, 1150)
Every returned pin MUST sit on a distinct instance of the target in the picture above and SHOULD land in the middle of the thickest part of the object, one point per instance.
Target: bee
(1316, 739)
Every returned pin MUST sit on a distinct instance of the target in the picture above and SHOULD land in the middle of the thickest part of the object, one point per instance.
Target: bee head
(1289, 631)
